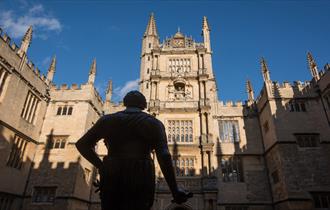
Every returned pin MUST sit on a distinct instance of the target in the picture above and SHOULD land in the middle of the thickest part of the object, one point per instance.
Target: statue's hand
(181, 196)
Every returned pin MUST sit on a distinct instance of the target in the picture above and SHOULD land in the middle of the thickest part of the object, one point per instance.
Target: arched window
(64, 110)
(70, 110)
(59, 110)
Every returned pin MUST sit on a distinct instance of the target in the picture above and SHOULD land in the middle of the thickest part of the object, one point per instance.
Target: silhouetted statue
(127, 173)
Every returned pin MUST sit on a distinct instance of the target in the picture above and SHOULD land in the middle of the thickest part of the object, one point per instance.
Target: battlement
(296, 84)
(74, 86)
(12, 45)
(6, 40)
(66, 87)
(231, 103)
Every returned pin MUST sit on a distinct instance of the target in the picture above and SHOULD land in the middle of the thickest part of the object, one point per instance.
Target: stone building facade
(270, 152)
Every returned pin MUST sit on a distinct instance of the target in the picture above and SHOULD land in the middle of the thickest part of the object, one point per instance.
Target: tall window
(44, 194)
(229, 131)
(15, 159)
(3, 77)
(184, 166)
(232, 170)
(307, 140)
(179, 64)
(6, 201)
(321, 200)
(30, 107)
(57, 141)
(64, 110)
(297, 106)
(179, 131)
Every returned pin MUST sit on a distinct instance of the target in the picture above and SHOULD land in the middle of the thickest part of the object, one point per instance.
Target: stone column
(199, 61)
(156, 90)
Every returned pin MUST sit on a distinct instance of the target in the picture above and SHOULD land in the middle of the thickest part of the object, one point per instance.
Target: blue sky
(111, 31)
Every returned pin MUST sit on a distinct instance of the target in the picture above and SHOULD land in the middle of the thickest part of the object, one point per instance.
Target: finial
(92, 72)
(109, 88)
(264, 69)
(249, 90)
(92, 69)
(178, 28)
(312, 66)
(51, 70)
(109, 91)
(151, 27)
(205, 23)
(26, 41)
(52, 66)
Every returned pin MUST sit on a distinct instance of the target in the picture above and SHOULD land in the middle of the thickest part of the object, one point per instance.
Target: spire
(264, 70)
(51, 70)
(92, 72)
(206, 34)
(109, 91)
(205, 24)
(312, 66)
(26, 41)
(151, 28)
(249, 90)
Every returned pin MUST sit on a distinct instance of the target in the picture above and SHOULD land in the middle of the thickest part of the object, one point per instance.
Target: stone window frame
(6, 200)
(30, 107)
(187, 66)
(57, 141)
(190, 134)
(64, 110)
(4, 78)
(184, 166)
(48, 193)
(238, 133)
(233, 163)
(321, 200)
(297, 105)
(307, 140)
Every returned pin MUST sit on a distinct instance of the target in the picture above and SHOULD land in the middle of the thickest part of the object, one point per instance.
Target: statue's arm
(86, 144)
(164, 159)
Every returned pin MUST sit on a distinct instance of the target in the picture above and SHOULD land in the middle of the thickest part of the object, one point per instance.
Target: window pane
(59, 110)
(64, 110)
(70, 110)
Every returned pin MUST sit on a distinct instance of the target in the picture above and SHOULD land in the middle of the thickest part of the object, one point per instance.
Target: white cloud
(36, 9)
(36, 16)
(121, 91)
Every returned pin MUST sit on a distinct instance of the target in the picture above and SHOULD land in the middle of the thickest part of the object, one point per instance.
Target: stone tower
(178, 82)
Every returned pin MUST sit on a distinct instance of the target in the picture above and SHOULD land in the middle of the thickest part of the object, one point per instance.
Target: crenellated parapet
(18, 61)
(77, 93)
(231, 103)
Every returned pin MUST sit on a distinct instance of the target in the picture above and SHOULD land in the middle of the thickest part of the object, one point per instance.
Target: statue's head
(135, 99)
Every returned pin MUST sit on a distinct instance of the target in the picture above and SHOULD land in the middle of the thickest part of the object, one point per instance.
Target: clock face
(178, 43)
